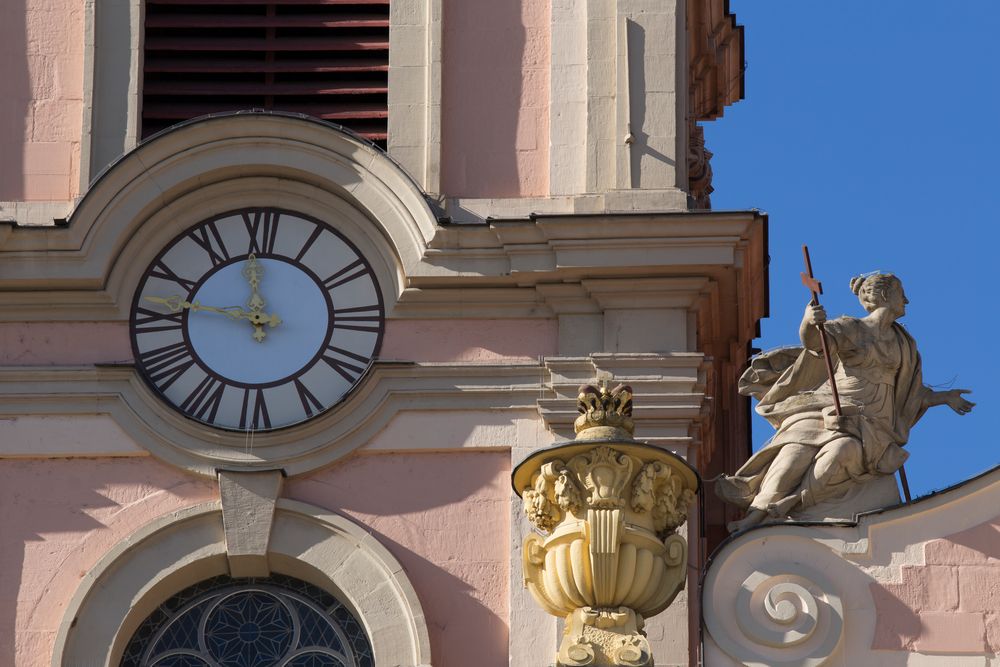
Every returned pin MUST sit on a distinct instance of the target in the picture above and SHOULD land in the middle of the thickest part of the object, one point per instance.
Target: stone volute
(607, 554)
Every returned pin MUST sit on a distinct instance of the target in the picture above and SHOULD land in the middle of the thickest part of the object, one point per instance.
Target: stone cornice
(670, 393)
(668, 414)
(119, 392)
(506, 269)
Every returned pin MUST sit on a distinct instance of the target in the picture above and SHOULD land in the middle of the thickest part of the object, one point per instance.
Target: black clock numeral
(263, 231)
(354, 318)
(205, 398)
(310, 404)
(317, 230)
(164, 272)
(347, 353)
(258, 417)
(146, 319)
(352, 271)
(347, 370)
(207, 236)
(165, 364)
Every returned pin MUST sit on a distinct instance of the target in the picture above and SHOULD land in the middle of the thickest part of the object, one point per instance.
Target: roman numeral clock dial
(257, 319)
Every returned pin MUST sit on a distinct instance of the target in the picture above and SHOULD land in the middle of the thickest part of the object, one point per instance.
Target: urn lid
(605, 419)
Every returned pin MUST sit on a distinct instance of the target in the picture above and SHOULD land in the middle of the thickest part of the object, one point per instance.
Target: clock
(256, 319)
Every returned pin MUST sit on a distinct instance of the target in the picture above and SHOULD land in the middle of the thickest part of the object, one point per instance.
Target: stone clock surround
(580, 271)
(567, 285)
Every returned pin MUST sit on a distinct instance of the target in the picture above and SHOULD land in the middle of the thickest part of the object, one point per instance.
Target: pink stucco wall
(63, 343)
(74, 343)
(495, 98)
(58, 518)
(41, 98)
(444, 516)
(470, 340)
(951, 604)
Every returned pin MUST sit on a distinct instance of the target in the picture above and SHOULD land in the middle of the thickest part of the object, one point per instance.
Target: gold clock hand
(254, 272)
(176, 303)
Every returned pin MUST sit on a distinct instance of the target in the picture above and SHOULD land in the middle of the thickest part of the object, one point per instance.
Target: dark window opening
(324, 58)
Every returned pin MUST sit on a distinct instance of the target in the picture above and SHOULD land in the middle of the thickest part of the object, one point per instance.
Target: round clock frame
(245, 367)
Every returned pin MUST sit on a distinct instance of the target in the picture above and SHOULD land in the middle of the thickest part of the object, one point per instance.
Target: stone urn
(607, 554)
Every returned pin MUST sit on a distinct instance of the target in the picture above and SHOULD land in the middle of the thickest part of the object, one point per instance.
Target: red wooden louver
(325, 58)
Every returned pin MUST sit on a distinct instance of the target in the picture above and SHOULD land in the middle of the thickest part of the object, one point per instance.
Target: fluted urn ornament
(607, 554)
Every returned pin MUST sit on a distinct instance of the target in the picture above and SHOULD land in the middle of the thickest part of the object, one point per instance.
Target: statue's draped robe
(881, 389)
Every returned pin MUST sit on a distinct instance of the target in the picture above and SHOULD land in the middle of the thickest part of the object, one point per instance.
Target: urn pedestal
(607, 554)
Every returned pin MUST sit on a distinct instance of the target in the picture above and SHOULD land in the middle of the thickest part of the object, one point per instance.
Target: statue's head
(876, 290)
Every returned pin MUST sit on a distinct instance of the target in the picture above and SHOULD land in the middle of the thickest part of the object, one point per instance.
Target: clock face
(256, 319)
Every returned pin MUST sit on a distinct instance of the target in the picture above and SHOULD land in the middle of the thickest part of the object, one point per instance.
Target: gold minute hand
(176, 303)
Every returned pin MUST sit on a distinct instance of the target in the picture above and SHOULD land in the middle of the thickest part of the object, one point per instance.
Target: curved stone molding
(209, 166)
(910, 584)
(389, 388)
(185, 547)
(774, 601)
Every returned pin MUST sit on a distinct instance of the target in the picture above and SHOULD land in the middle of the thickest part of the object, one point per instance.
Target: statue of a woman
(816, 456)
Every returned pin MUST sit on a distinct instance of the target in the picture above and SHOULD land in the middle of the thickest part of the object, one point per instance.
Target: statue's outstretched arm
(952, 398)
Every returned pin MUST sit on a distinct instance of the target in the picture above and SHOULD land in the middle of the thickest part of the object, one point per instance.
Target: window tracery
(254, 622)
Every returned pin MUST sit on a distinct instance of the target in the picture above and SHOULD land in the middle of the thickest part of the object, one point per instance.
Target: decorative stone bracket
(607, 509)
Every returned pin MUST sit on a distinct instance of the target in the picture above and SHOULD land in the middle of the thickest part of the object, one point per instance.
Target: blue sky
(871, 132)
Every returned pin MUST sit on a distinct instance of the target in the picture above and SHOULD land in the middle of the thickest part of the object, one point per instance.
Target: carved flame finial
(608, 411)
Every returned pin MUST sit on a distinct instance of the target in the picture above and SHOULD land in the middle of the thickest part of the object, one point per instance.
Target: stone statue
(819, 465)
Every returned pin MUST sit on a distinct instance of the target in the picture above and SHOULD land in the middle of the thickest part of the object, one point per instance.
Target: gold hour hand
(253, 272)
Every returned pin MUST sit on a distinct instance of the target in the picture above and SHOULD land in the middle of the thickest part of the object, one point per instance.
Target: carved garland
(601, 476)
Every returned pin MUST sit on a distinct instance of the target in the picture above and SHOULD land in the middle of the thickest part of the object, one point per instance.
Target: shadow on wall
(27, 517)
(15, 100)
(483, 51)
(444, 516)
(58, 518)
(462, 630)
(636, 36)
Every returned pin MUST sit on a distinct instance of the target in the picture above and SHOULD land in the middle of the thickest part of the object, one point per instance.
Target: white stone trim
(568, 99)
(838, 562)
(415, 89)
(184, 547)
(112, 75)
(248, 502)
(32, 214)
(389, 388)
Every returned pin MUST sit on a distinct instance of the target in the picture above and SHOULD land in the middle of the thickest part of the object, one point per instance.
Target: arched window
(267, 622)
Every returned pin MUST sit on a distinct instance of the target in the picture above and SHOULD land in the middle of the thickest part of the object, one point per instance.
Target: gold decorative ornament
(607, 554)
(603, 413)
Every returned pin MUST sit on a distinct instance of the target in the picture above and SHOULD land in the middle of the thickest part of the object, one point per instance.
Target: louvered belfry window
(325, 58)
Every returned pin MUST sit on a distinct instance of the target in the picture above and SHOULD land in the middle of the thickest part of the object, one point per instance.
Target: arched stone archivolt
(209, 166)
(188, 546)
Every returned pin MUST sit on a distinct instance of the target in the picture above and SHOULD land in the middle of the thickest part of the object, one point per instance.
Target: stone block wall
(951, 603)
